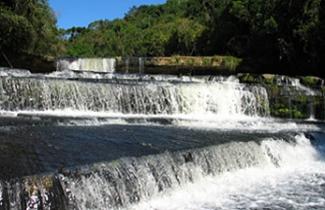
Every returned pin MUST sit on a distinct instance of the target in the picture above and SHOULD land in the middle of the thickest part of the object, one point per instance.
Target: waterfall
(105, 65)
(223, 99)
(141, 65)
(122, 166)
(311, 110)
(127, 181)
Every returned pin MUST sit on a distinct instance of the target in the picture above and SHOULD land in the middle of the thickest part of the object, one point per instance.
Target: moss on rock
(284, 111)
(169, 65)
(311, 81)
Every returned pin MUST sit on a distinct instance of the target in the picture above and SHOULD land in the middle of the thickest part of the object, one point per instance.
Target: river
(107, 141)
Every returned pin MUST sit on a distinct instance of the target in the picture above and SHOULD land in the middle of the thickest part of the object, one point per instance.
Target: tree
(27, 28)
(16, 32)
(268, 34)
(321, 37)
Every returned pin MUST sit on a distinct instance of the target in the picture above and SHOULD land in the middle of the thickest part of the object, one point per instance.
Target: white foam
(87, 64)
(224, 98)
(190, 121)
(295, 184)
(94, 122)
(249, 124)
(6, 72)
(303, 88)
(244, 189)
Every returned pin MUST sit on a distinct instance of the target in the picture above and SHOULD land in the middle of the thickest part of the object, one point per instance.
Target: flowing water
(86, 141)
(103, 65)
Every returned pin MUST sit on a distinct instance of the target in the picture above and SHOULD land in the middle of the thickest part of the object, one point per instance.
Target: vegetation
(272, 36)
(311, 81)
(27, 31)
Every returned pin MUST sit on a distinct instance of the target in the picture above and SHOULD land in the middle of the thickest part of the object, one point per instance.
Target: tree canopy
(270, 35)
(27, 27)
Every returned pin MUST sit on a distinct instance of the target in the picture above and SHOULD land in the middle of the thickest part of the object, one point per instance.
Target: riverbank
(172, 65)
(291, 97)
(180, 65)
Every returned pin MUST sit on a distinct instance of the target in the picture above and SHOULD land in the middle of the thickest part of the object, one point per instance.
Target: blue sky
(82, 12)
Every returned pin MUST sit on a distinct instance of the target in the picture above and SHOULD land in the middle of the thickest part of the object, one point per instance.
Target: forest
(271, 36)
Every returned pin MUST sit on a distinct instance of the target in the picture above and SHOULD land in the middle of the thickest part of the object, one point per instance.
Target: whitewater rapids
(89, 141)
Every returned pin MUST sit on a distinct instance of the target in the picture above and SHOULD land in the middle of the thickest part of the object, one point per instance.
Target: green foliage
(183, 37)
(145, 31)
(282, 111)
(231, 63)
(310, 81)
(272, 36)
(16, 31)
(27, 28)
(248, 78)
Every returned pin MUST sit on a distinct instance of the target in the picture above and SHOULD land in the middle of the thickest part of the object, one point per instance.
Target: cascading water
(105, 65)
(128, 181)
(224, 99)
(292, 177)
(51, 163)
